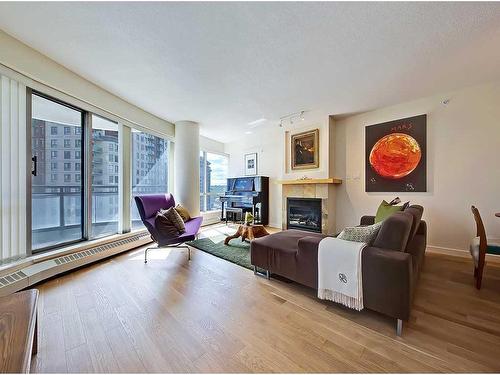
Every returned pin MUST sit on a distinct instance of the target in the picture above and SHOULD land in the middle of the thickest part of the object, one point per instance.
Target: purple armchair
(148, 206)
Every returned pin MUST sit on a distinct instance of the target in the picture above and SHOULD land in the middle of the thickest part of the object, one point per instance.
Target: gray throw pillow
(364, 234)
(164, 226)
(173, 216)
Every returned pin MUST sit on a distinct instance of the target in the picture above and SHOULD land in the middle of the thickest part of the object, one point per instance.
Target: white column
(187, 166)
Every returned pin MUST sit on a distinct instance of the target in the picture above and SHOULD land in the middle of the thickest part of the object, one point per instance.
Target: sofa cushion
(416, 211)
(364, 234)
(394, 232)
(385, 210)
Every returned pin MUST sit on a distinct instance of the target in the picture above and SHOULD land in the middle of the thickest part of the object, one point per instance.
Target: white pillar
(187, 166)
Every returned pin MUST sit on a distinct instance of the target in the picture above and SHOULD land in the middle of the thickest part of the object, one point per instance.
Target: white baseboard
(460, 253)
(274, 225)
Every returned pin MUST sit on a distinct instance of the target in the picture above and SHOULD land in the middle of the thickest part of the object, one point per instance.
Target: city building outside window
(213, 179)
(67, 130)
(67, 154)
(53, 130)
(154, 175)
(105, 187)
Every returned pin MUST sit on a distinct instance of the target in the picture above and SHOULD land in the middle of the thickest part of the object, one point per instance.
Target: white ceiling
(228, 64)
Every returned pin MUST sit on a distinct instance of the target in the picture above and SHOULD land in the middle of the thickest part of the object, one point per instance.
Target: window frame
(206, 194)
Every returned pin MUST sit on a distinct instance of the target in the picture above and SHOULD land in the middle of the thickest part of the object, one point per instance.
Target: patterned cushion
(183, 212)
(360, 234)
(173, 216)
(165, 226)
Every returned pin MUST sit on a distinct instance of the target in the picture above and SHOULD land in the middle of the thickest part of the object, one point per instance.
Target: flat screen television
(243, 184)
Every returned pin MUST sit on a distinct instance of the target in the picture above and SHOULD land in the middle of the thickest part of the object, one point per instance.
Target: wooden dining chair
(480, 246)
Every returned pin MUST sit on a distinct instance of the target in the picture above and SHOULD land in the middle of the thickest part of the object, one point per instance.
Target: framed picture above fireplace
(305, 150)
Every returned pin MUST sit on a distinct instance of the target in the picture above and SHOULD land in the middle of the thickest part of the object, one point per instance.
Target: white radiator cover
(32, 272)
(13, 165)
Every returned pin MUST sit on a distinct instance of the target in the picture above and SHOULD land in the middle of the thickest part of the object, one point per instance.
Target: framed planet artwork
(396, 155)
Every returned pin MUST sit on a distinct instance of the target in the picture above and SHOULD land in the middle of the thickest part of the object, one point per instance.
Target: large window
(57, 196)
(149, 168)
(105, 173)
(76, 177)
(213, 179)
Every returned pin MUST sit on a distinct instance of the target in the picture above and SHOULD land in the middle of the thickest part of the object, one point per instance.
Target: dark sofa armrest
(367, 220)
(387, 281)
(422, 228)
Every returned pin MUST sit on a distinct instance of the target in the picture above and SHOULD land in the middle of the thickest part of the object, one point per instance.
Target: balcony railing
(58, 208)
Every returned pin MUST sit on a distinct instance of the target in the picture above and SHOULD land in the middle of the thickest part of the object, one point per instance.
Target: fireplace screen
(304, 214)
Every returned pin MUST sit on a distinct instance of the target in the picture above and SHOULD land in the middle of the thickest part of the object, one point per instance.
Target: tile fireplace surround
(309, 189)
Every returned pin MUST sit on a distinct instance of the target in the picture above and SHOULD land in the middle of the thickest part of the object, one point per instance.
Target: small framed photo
(251, 164)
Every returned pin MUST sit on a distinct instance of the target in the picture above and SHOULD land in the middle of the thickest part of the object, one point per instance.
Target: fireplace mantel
(304, 181)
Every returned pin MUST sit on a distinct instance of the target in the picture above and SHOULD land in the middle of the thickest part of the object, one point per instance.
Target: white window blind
(13, 166)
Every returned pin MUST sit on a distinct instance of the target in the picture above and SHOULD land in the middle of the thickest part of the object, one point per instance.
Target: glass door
(57, 173)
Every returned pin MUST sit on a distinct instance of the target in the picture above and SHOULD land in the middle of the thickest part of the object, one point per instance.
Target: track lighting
(291, 117)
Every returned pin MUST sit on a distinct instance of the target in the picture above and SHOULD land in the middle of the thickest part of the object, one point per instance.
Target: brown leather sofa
(390, 265)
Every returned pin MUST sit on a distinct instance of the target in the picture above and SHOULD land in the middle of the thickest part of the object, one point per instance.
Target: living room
(249, 187)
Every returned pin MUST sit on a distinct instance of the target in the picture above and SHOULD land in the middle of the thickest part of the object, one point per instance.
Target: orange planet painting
(395, 155)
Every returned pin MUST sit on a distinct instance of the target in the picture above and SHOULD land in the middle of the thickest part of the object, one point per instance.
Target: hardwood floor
(209, 315)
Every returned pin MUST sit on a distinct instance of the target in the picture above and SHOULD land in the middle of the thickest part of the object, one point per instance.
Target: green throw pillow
(385, 210)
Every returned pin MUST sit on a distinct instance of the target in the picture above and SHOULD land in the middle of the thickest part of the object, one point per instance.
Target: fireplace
(304, 214)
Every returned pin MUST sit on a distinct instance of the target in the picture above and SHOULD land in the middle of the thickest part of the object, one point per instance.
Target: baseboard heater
(32, 273)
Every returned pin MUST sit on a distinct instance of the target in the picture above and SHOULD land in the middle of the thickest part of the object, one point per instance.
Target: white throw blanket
(339, 272)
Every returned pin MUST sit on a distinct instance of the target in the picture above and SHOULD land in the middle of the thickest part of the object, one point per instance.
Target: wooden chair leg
(479, 276)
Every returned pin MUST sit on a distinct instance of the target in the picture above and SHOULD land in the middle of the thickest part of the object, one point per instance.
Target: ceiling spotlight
(302, 115)
(281, 123)
(291, 121)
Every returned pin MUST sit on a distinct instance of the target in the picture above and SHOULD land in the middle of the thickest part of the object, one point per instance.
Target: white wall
(463, 169)
(270, 146)
(46, 75)
(211, 145)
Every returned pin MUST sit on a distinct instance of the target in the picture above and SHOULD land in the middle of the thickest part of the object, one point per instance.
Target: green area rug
(236, 251)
